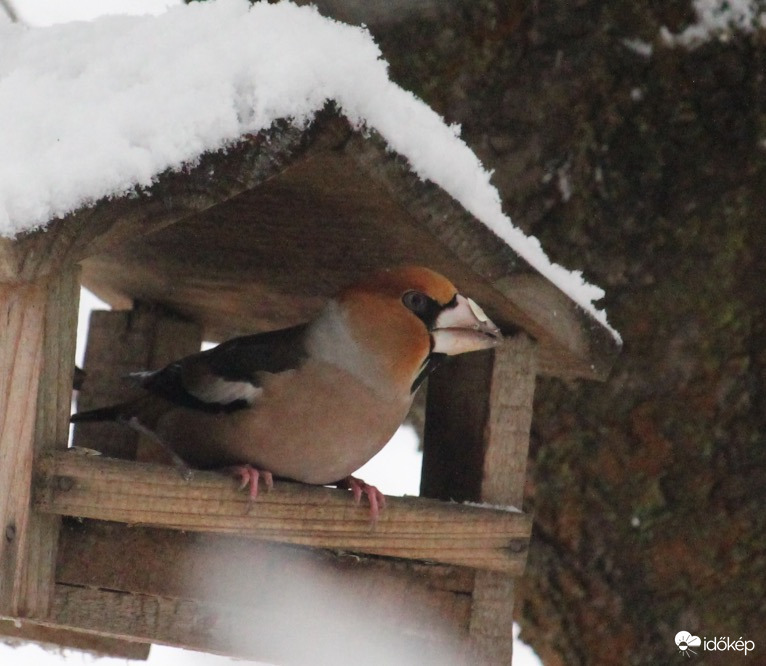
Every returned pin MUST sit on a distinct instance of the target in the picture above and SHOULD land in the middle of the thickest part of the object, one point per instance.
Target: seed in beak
(477, 311)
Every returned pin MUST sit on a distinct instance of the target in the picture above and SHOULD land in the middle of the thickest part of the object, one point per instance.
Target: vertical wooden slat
(511, 393)
(491, 624)
(21, 345)
(120, 342)
(172, 338)
(478, 417)
(506, 447)
(37, 340)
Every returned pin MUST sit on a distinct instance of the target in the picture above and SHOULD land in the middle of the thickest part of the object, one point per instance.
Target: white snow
(639, 47)
(719, 19)
(48, 12)
(97, 109)
(523, 655)
(395, 470)
(498, 507)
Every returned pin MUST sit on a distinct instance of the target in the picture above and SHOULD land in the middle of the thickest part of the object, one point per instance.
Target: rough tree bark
(648, 172)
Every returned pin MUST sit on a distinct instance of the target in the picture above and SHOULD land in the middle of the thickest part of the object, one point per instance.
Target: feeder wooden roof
(257, 237)
(254, 238)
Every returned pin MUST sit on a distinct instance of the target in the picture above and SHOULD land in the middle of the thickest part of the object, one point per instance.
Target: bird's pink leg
(376, 498)
(249, 476)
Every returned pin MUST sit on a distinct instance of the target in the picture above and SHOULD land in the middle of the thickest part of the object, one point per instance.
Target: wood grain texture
(304, 635)
(570, 341)
(243, 571)
(411, 528)
(491, 626)
(59, 638)
(37, 340)
(340, 206)
(511, 393)
(21, 350)
(340, 200)
(120, 342)
(506, 446)
(253, 599)
(175, 195)
(478, 417)
(9, 260)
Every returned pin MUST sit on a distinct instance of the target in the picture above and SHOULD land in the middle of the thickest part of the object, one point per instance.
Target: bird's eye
(415, 301)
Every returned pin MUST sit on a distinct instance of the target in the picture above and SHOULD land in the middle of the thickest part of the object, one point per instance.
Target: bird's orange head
(403, 316)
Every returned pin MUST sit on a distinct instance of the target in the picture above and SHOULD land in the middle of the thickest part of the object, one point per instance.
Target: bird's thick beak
(464, 328)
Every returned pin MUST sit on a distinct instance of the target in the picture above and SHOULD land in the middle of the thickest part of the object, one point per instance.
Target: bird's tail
(111, 413)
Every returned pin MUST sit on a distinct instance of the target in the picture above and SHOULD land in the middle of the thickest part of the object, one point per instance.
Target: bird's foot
(249, 476)
(376, 498)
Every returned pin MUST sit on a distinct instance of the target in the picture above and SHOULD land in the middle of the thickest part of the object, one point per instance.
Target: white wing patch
(220, 391)
(141, 376)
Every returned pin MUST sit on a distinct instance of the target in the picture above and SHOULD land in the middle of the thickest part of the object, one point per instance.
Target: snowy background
(396, 469)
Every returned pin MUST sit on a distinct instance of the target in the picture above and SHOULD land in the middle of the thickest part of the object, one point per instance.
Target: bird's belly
(317, 424)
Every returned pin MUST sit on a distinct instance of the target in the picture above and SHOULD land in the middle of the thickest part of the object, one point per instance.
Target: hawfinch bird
(314, 402)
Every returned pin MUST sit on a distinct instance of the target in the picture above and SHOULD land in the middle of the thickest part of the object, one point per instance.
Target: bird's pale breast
(316, 424)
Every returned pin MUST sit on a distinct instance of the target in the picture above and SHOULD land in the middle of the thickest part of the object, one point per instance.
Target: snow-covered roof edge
(92, 116)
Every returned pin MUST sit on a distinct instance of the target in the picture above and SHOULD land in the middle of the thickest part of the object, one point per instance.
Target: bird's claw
(249, 476)
(376, 498)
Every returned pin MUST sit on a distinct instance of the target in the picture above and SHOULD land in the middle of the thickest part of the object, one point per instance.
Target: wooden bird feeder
(115, 552)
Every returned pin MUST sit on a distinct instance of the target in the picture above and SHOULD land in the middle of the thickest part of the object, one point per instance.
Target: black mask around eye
(425, 307)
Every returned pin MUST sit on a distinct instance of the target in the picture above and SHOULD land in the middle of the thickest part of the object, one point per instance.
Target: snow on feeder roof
(283, 121)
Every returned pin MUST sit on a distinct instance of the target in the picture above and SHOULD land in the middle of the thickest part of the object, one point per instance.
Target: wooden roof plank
(267, 255)
(573, 342)
(174, 196)
(277, 222)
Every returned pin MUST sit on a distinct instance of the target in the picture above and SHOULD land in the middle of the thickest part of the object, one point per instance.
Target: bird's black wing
(226, 378)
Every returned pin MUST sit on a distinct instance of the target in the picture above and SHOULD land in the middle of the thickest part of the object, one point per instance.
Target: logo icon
(686, 641)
